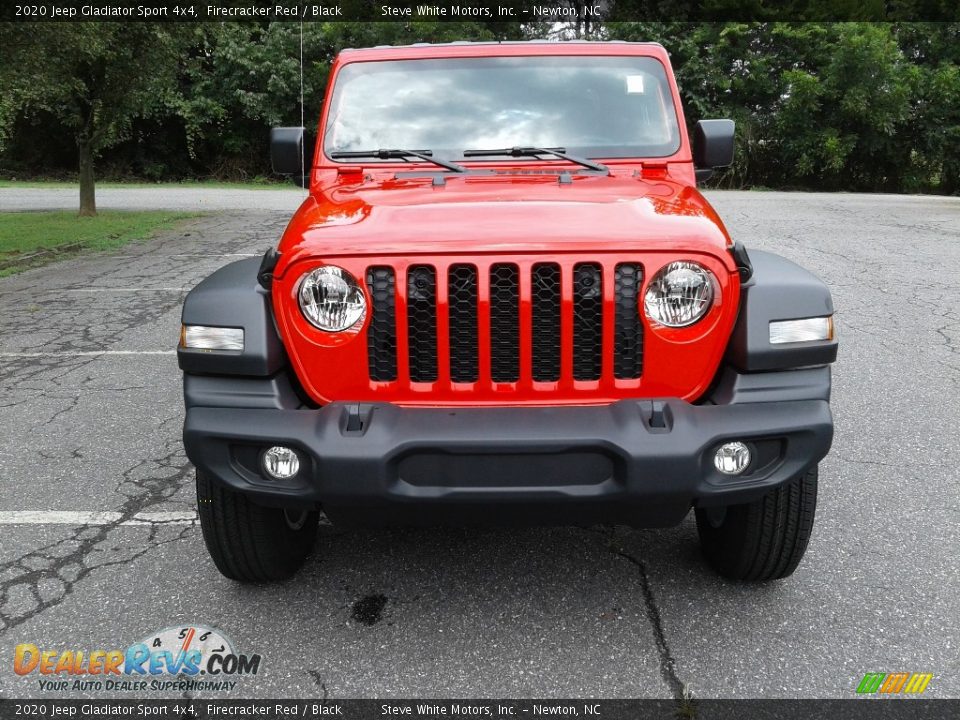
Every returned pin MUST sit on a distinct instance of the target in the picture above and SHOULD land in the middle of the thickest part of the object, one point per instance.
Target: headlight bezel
(312, 280)
(652, 307)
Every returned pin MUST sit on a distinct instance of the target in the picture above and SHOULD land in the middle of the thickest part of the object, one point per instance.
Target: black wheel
(250, 542)
(764, 539)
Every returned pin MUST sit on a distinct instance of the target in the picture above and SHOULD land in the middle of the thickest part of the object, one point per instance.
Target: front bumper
(638, 462)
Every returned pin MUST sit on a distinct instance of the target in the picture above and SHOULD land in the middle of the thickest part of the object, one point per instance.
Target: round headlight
(332, 299)
(680, 294)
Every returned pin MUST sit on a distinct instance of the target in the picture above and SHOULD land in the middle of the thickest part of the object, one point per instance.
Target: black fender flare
(778, 290)
(233, 297)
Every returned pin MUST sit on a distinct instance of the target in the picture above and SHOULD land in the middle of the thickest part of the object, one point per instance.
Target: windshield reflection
(593, 106)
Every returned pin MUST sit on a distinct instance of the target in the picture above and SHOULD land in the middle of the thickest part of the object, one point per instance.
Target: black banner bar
(322, 709)
(471, 10)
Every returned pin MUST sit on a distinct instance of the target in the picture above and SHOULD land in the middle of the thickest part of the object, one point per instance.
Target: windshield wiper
(535, 151)
(397, 154)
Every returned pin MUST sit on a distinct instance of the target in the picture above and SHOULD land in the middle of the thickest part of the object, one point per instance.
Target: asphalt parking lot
(90, 420)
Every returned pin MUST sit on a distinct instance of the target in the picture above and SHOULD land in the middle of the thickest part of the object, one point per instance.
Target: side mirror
(286, 152)
(712, 146)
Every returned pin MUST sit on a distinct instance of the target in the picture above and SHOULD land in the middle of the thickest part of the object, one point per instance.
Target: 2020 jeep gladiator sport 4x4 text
(504, 300)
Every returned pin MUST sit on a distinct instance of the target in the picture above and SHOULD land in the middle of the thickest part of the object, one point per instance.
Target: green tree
(820, 105)
(934, 125)
(845, 122)
(244, 78)
(95, 79)
(856, 106)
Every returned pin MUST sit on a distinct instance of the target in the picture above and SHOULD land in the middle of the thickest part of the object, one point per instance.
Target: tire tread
(250, 542)
(765, 539)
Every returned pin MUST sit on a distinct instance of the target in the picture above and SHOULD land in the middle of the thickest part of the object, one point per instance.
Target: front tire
(249, 542)
(762, 540)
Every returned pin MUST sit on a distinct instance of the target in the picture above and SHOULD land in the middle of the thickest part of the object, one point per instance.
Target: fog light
(732, 458)
(280, 463)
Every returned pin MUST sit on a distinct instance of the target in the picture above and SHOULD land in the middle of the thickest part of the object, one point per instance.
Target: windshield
(616, 106)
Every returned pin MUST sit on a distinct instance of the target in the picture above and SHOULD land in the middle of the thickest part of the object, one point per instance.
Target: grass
(29, 239)
(213, 184)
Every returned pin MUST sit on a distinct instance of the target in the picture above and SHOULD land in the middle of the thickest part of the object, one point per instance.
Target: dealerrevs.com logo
(176, 659)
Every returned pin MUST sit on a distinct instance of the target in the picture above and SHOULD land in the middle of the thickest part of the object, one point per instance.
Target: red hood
(516, 219)
(501, 213)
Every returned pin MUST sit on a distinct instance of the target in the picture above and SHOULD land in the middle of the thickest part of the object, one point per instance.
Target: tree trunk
(88, 200)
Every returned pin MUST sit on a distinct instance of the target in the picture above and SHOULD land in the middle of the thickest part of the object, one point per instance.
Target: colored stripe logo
(892, 683)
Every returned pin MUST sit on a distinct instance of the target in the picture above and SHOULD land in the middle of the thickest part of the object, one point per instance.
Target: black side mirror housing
(286, 153)
(712, 146)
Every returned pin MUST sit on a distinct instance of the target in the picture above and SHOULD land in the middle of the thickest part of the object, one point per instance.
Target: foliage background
(858, 106)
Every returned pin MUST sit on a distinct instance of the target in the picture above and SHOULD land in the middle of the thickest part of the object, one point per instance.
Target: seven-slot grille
(484, 336)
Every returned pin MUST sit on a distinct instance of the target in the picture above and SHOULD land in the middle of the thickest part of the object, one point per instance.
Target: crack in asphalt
(949, 340)
(668, 665)
(36, 316)
(46, 576)
(319, 682)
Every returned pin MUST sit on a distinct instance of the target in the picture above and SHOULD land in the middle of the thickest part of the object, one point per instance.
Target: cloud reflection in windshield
(598, 106)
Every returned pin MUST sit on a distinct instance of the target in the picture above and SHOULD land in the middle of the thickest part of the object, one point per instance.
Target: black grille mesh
(422, 322)
(462, 299)
(504, 323)
(628, 328)
(545, 291)
(382, 334)
(587, 321)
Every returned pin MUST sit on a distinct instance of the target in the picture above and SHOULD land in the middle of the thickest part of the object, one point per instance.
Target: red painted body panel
(646, 211)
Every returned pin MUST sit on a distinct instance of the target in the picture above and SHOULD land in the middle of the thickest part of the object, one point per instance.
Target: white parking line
(82, 517)
(214, 255)
(121, 290)
(90, 353)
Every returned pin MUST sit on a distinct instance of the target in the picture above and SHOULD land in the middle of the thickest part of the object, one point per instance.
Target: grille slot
(382, 333)
(462, 300)
(628, 328)
(422, 322)
(545, 292)
(504, 323)
(587, 321)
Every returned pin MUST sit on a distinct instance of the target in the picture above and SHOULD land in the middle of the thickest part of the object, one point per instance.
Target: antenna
(303, 150)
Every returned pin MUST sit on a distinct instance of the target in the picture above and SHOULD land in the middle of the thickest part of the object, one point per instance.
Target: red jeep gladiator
(504, 301)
